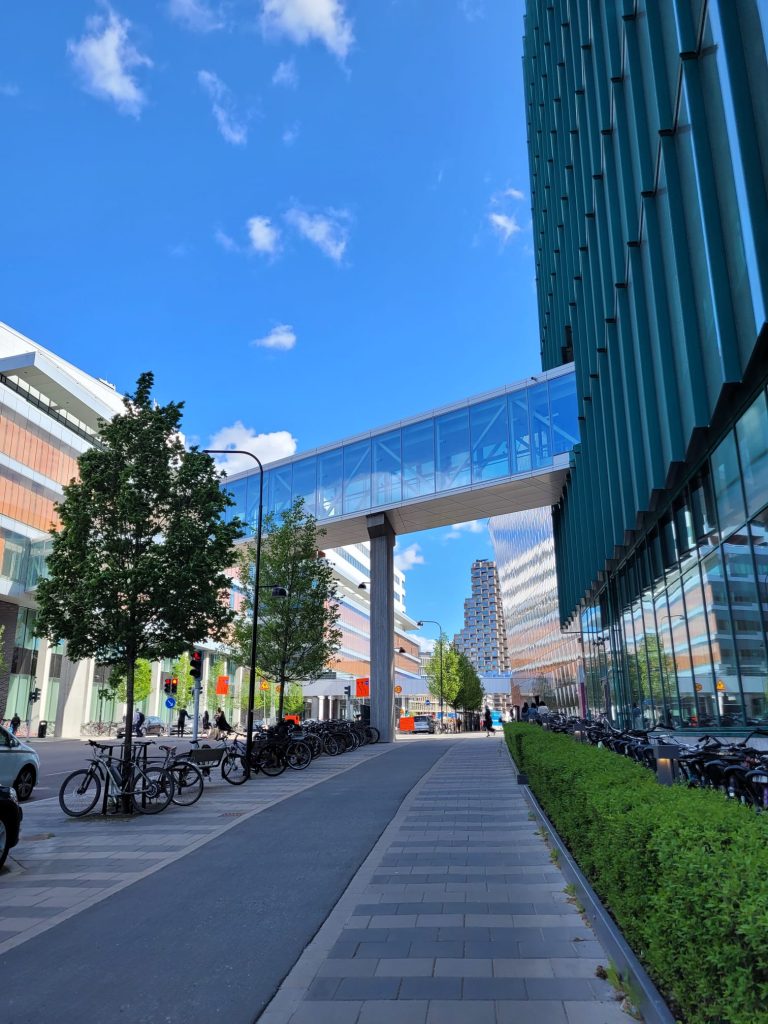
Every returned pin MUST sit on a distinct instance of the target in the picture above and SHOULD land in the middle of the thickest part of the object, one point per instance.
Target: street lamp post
(434, 622)
(255, 632)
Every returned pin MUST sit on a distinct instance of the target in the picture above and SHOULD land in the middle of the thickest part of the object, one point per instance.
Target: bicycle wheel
(331, 745)
(233, 769)
(270, 761)
(187, 783)
(80, 792)
(152, 790)
(372, 733)
(298, 755)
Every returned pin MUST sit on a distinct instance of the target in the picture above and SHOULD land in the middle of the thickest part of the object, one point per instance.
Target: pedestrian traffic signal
(174, 686)
(196, 664)
(348, 691)
(167, 685)
(34, 696)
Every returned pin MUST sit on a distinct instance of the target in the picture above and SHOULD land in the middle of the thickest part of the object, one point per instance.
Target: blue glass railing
(512, 432)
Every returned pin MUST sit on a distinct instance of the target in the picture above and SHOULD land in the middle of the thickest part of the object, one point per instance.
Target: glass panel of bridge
(520, 431)
(490, 439)
(419, 459)
(280, 489)
(357, 476)
(541, 427)
(252, 501)
(452, 436)
(562, 404)
(329, 484)
(238, 490)
(387, 467)
(305, 482)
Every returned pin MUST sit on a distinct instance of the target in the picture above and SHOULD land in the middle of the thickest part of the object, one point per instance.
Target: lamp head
(279, 592)
(362, 586)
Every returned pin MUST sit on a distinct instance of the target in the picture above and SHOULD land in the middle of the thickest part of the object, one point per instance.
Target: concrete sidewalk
(457, 916)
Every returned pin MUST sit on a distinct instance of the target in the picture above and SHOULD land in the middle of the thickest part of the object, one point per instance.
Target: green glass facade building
(648, 146)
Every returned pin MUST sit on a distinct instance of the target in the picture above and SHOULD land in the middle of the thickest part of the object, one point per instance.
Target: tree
(185, 685)
(470, 694)
(142, 681)
(298, 636)
(451, 679)
(293, 703)
(137, 565)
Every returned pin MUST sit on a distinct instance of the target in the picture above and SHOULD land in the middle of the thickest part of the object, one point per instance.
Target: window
(752, 434)
(419, 459)
(452, 434)
(387, 466)
(490, 441)
(727, 485)
(357, 476)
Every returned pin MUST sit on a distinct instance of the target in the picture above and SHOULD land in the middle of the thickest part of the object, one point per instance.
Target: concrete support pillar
(382, 624)
(156, 692)
(42, 682)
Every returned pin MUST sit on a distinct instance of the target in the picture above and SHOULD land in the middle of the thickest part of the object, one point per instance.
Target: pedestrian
(15, 723)
(136, 721)
(524, 711)
(183, 716)
(488, 721)
(223, 728)
(206, 722)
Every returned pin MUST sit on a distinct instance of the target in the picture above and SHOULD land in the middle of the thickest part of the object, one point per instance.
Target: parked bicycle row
(737, 769)
(158, 776)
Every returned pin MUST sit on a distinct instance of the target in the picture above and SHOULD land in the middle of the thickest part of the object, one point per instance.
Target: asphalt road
(57, 759)
(211, 936)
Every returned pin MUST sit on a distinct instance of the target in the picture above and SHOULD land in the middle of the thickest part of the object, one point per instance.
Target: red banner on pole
(363, 687)
(222, 685)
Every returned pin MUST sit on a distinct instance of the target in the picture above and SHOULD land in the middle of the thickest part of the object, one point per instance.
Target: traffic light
(348, 691)
(174, 686)
(196, 664)
(167, 685)
(34, 696)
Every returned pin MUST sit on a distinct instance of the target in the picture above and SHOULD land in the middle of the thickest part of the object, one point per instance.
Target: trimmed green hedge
(683, 872)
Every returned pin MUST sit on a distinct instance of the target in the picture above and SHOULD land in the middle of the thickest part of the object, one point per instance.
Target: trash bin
(42, 729)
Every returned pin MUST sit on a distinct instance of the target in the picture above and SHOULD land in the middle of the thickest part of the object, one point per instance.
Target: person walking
(488, 721)
(206, 722)
(15, 723)
(223, 728)
(183, 716)
(524, 712)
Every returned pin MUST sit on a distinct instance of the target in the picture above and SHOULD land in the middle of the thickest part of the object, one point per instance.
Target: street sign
(222, 686)
(699, 687)
(264, 685)
(398, 689)
(427, 702)
(720, 686)
(170, 702)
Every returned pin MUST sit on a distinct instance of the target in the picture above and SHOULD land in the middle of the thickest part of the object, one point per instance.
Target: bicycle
(188, 782)
(149, 788)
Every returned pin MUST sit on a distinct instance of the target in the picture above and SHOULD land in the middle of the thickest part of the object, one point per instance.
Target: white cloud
(263, 234)
(282, 337)
(195, 15)
(104, 58)
(407, 558)
(504, 224)
(291, 134)
(459, 529)
(328, 231)
(268, 447)
(226, 241)
(304, 20)
(472, 10)
(9, 89)
(223, 106)
(286, 74)
(514, 193)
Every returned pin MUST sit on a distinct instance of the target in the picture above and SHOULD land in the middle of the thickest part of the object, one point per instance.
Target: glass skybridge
(501, 451)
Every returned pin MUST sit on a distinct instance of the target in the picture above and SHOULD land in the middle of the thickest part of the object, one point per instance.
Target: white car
(19, 765)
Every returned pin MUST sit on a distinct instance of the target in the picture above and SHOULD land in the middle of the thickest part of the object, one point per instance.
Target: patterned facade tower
(484, 637)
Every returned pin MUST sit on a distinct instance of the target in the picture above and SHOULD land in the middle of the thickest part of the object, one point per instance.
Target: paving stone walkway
(64, 865)
(457, 916)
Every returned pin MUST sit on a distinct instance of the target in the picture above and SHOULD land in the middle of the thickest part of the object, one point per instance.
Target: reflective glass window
(280, 488)
(727, 484)
(722, 644)
(758, 529)
(387, 468)
(238, 490)
(541, 427)
(305, 483)
(752, 434)
(703, 507)
(747, 622)
(452, 437)
(490, 440)
(520, 431)
(564, 413)
(357, 476)
(419, 459)
(329, 484)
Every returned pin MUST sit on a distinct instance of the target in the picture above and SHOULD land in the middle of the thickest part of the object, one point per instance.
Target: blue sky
(307, 217)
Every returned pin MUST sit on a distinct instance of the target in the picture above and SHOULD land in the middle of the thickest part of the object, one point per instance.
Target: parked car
(10, 821)
(423, 723)
(151, 726)
(19, 764)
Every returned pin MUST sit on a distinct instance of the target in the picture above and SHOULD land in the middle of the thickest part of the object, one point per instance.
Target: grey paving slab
(457, 916)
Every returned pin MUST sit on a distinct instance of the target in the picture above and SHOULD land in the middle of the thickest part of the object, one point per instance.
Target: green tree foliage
(298, 635)
(446, 655)
(652, 672)
(293, 703)
(213, 699)
(137, 566)
(142, 681)
(186, 684)
(469, 696)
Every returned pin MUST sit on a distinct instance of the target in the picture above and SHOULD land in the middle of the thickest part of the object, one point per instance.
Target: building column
(156, 692)
(42, 682)
(382, 538)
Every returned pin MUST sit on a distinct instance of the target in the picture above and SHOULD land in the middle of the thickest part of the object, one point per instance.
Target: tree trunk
(127, 744)
(281, 701)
